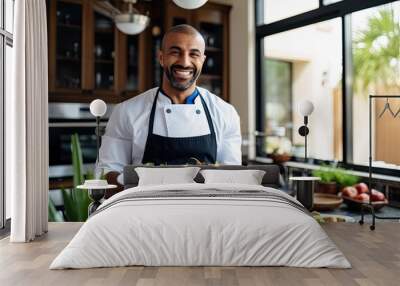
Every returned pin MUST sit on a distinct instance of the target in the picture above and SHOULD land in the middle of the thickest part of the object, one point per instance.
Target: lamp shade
(98, 108)
(131, 24)
(306, 107)
(190, 4)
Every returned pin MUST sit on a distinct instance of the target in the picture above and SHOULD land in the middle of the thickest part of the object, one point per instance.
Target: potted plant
(333, 179)
(76, 201)
(327, 184)
(344, 179)
(279, 149)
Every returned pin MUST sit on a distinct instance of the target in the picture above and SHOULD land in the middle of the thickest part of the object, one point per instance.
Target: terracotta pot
(327, 188)
(280, 158)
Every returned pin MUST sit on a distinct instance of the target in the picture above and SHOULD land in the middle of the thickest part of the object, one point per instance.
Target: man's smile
(184, 74)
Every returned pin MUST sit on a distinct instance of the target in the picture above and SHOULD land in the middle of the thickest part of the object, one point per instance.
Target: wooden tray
(326, 202)
(356, 204)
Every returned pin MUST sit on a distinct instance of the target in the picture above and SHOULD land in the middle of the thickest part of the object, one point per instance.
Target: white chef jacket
(126, 133)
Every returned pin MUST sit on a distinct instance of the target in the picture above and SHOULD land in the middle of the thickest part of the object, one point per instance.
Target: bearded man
(177, 123)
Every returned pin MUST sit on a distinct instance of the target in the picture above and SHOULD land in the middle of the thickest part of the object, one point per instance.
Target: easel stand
(368, 206)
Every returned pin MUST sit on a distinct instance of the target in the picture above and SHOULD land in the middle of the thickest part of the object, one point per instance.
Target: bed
(197, 224)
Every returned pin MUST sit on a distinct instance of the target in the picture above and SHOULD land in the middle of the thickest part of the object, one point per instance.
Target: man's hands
(111, 178)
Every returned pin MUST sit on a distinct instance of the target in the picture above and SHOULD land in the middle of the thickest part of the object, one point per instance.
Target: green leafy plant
(327, 174)
(54, 215)
(340, 176)
(76, 201)
(376, 53)
(344, 179)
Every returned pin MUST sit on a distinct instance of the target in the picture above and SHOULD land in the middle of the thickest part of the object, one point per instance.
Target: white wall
(275, 10)
(360, 129)
(242, 64)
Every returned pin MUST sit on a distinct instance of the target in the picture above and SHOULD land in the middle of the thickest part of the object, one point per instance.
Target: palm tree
(376, 51)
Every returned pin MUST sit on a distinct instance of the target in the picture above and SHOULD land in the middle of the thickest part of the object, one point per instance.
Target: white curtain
(26, 124)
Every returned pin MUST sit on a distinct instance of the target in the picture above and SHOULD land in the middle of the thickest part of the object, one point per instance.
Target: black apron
(177, 151)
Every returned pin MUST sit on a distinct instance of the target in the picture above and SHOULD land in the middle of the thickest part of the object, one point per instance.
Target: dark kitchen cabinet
(67, 27)
(104, 53)
(90, 58)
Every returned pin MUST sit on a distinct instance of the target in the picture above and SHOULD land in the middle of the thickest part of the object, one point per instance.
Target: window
(8, 73)
(376, 65)
(9, 13)
(295, 70)
(6, 64)
(337, 53)
(276, 10)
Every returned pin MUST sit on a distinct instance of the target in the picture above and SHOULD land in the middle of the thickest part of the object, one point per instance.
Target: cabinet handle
(84, 109)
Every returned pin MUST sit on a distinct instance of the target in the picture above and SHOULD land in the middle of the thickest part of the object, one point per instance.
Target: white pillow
(248, 177)
(166, 176)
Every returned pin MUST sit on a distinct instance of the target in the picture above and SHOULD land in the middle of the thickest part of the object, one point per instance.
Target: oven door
(60, 159)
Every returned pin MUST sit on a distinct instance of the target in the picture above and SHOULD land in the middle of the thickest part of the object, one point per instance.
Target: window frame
(6, 39)
(343, 10)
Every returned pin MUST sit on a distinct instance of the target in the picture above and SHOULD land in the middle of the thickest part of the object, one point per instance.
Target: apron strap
(153, 112)
(209, 120)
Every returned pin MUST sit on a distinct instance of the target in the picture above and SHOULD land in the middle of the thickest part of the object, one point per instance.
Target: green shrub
(344, 179)
(340, 176)
(76, 201)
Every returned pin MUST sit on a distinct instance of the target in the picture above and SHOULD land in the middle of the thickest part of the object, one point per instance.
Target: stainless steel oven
(66, 119)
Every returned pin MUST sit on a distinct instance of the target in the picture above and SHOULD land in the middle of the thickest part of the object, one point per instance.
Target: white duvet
(207, 230)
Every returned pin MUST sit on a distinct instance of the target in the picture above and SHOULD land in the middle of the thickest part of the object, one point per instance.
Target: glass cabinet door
(156, 67)
(104, 52)
(69, 45)
(132, 81)
(212, 75)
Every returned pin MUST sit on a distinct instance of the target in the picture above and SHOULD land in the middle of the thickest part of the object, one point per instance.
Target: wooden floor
(375, 257)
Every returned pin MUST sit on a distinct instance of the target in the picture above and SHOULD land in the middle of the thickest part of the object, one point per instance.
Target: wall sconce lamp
(305, 108)
(98, 108)
(96, 187)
